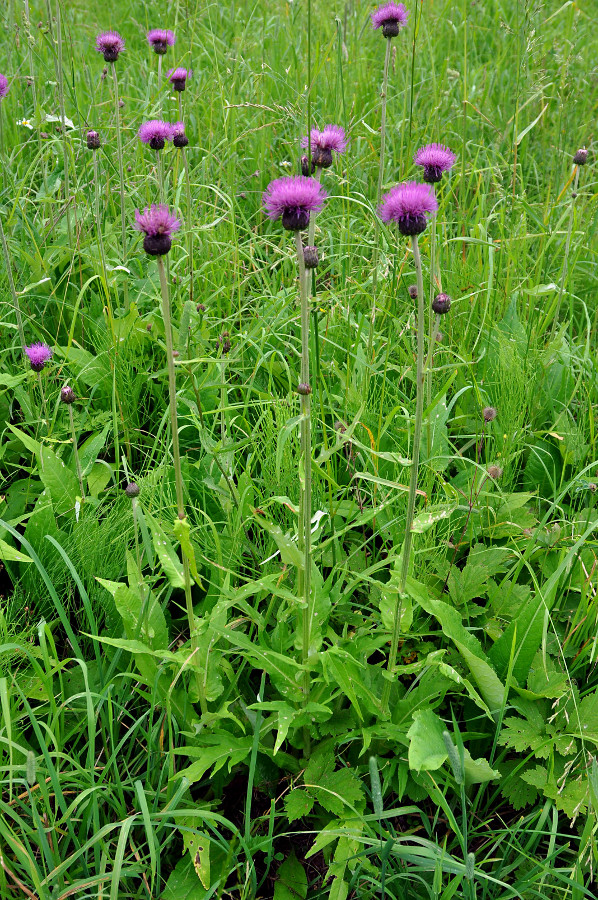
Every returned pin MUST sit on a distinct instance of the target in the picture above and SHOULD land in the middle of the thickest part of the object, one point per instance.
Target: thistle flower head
(38, 355)
(435, 159)
(293, 197)
(311, 257)
(412, 291)
(3, 86)
(580, 158)
(67, 395)
(441, 304)
(110, 44)
(158, 224)
(410, 205)
(494, 472)
(390, 17)
(155, 133)
(332, 137)
(179, 138)
(178, 77)
(160, 39)
(489, 413)
(93, 140)
(132, 490)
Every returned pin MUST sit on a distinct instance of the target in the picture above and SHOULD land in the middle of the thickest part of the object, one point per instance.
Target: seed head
(160, 40)
(110, 44)
(409, 205)
(155, 133)
(179, 138)
(178, 78)
(311, 257)
(412, 291)
(158, 224)
(435, 159)
(38, 355)
(132, 490)
(581, 157)
(390, 18)
(3, 86)
(303, 389)
(441, 304)
(67, 395)
(489, 413)
(494, 472)
(93, 140)
(324, 142)
(293, 198)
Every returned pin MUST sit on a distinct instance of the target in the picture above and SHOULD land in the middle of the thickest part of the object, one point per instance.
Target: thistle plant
(409, 206)
(390, 17)
(94, 143)
(155, 133)
(39, 355)
(322, 144)
(110, 44)
(68, 397)
(178, 79)
(158, 224)
(294, 200)
(160, 39)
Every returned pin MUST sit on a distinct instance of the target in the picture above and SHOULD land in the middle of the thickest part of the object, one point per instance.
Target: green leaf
(197, 846)
(291, 880)
(222, 749)
(287, 547)
(438, 458)
(298, 804)
(340, 793)
(10, 554)
(521, 734)
(427, 749)
(60, 482)
(183, 883)
(182, 531)
(171, 564)
(543, 469)
(434, 513)
(478, 771)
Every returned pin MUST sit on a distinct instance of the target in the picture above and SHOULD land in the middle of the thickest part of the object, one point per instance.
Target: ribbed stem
(305, 504)
(178, 474)
(76, 452)
(189, 205)
(121, 173)
(419, 408)
(11, 285)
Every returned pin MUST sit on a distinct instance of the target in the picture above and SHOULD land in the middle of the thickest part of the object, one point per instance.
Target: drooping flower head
(435, 159)
(67, 395)
(93, 140)
(390, 17)
(3, 86)
(160, 39)
(293, 197)
(410, 205)
(179, 138)
(38, 355)
(110, 44)
(332, 137)
(155, 133)
(178, 77)
(158, 224)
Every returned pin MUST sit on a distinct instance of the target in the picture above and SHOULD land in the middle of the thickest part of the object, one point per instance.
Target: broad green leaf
(60, 482)
(287, 547)
(182, 531)
(197, 846)
(222, 749)
(183, 883)
(436, 512)
(478, 771)
(427, 749)
(171, 564)
(298, 804)
(10, 554)
(291, 880)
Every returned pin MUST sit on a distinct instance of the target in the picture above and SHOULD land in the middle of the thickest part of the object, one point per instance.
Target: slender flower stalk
(155, 134)
(67, 396)
(11, 285)
(132, 491)
(322, 145)
(160, 39)
(65, 145)
(580, 158)
(4, 87)
(409, 205)
(181, 141)
(110, 44)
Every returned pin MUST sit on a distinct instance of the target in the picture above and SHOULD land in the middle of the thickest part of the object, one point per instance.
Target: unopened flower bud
(67, 394)
(581, 157)
(132, 490)
(412, 291)
(200, 308)
(224, 342)
(305, 167)
(93, 140)
(303, 389)
(441, 304)
(311, 257)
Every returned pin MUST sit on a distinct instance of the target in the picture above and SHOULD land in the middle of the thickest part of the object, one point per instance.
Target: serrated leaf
(340, 793)
(223, 749)
(520, 735)
(537, 776)
(291, 880)
(298, 804)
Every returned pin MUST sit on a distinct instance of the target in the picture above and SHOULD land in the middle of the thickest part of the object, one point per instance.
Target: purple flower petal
(390, 12)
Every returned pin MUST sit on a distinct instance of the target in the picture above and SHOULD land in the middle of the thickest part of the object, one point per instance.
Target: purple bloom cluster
(155, 133)
(38, 355)
(3, 86)
(110, 44)
(158, 224)
(390, 18)
(178, 77)
(435, 159)
(293, 197)
(93, 140)
(332, 137)
(179, 138)
(160, 39)
(410, 205)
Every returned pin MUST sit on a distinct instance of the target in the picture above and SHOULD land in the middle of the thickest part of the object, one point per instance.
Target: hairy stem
(189, 209)
(76, 452)
(119, 151)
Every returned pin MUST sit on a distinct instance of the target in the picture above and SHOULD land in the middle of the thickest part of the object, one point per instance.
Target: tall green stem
(305, 503)
(76, 452)
(189, 205)
(121, 174)
(566, 259)
(433, 331)
(178, 474)
(419, 409)
(43, 396)
(65, 147)
(11, 285)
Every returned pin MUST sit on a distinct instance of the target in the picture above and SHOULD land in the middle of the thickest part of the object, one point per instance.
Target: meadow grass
(165, 732)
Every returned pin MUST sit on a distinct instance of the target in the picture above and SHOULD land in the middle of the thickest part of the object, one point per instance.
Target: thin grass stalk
(65, 149)
(305, 503)
(419, 409)
(189, 205)
(97, 208)
(119, 151)
(75, 451)
(434, 320)
(566, 260)
(11, 285)
(378, 197)
(178, 474)
(30, 41)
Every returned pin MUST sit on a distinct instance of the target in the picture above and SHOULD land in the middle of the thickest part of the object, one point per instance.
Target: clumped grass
(153, 747)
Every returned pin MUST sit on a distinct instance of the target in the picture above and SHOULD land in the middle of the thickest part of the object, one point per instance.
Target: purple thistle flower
(160, 39)
(38, 355)
(110, 44)
(409, 205)
(3, 86)
(435, 159)
(324, 142)
(179, 138)
(293, 197)
(93, 140)
(178, 77)
(155, 133)
(158, 225)
(391, 18)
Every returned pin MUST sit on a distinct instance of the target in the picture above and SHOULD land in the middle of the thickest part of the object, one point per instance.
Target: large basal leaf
(427, 750)
(291, 880)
